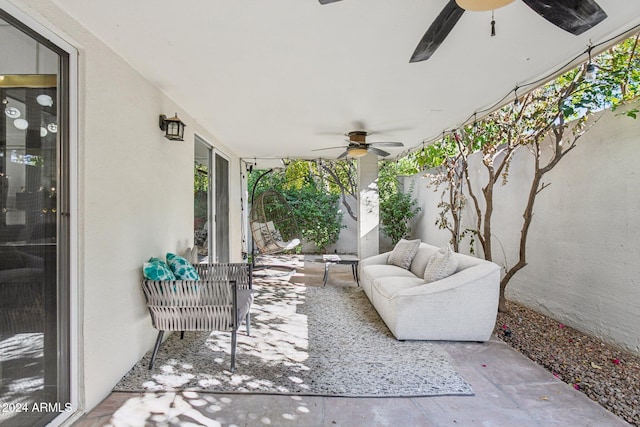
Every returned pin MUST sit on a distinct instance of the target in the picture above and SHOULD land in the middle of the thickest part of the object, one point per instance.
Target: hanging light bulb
(43, 131)
(52, 127)
(591, 72)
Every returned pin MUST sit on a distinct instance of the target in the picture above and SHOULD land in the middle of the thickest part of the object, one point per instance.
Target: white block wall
(584, 242)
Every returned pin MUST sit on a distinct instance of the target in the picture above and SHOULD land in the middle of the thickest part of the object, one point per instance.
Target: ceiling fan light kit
(357, 151)
(358, 147)
(482, 5)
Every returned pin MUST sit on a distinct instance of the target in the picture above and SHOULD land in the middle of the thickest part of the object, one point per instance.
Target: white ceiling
(280, 78)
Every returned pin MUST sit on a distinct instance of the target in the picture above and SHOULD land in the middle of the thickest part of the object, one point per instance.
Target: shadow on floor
(509, 390)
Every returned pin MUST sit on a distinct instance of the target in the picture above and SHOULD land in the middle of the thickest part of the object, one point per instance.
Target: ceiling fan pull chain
(493, 25)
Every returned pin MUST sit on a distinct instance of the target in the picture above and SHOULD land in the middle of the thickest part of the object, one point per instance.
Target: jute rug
(307, 341)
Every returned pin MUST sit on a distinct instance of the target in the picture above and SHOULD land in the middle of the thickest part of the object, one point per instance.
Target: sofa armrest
(485, 272)
(376, 259)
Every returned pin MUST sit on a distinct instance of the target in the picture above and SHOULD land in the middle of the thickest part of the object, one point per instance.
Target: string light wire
(535, 83)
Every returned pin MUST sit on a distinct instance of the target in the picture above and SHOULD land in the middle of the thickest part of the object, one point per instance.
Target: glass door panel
(222, 209)
(34, 364)
(211, 203)
(202, 199)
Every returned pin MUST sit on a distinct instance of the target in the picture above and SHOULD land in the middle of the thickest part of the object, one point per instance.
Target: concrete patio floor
(510, 390)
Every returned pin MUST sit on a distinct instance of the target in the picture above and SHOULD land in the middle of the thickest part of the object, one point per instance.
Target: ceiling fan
(573, 16)
(358, 146)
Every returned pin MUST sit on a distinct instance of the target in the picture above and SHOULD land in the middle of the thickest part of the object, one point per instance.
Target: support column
(368, 206)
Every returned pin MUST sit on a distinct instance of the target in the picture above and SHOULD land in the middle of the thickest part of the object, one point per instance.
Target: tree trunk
(524, 233)
(486, 230)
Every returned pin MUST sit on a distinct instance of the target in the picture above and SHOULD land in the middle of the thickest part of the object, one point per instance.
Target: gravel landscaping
(604, 373)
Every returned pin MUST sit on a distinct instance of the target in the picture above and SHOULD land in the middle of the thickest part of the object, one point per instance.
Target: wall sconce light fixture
(173, 127)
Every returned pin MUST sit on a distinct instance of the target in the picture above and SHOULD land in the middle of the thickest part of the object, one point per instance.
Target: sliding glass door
(211, 203)
(34, 215)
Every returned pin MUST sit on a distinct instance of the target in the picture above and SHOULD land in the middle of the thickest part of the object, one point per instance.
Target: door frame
(69, 249)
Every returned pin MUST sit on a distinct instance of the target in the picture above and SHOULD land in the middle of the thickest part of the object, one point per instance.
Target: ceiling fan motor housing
(357, 136)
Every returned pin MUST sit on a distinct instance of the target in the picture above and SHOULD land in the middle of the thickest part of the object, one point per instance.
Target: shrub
(317, 214)
(395, 212)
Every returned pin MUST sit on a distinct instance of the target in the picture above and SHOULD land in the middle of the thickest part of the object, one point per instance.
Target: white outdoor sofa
(461, 307)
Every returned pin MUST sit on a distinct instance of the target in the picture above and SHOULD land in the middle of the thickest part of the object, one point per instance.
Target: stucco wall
(584, 241)
(135, 201)
(347, 242)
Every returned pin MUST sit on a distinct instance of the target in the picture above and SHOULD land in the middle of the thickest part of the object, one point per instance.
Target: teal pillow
(157, 269)
(182, 269)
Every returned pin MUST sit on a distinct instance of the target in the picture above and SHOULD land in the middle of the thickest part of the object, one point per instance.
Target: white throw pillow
(441, 264)
(403, 253)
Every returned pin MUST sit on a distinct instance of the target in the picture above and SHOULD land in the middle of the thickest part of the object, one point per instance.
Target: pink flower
(576, 386)
(505, 326)
(560, 325)
(555, 374)
(616, 361)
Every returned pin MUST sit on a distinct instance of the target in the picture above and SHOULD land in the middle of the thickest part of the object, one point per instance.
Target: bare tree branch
(344, 189)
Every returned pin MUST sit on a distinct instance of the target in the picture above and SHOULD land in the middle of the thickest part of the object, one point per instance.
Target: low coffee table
(330, 260)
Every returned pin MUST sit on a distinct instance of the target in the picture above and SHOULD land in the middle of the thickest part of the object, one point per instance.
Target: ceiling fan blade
(574, 16)
(328, 148)
(438, 31)
(343, 155)
(389, 130)
(387, 144)
(328, 1)
(378, 151)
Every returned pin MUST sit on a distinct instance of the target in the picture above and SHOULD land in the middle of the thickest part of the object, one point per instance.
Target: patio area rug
(305, 340)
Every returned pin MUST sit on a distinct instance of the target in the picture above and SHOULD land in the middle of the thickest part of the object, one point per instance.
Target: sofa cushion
(421, 258)
(403, 253)
(389, 286)
(377, 271)
(441, 264)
